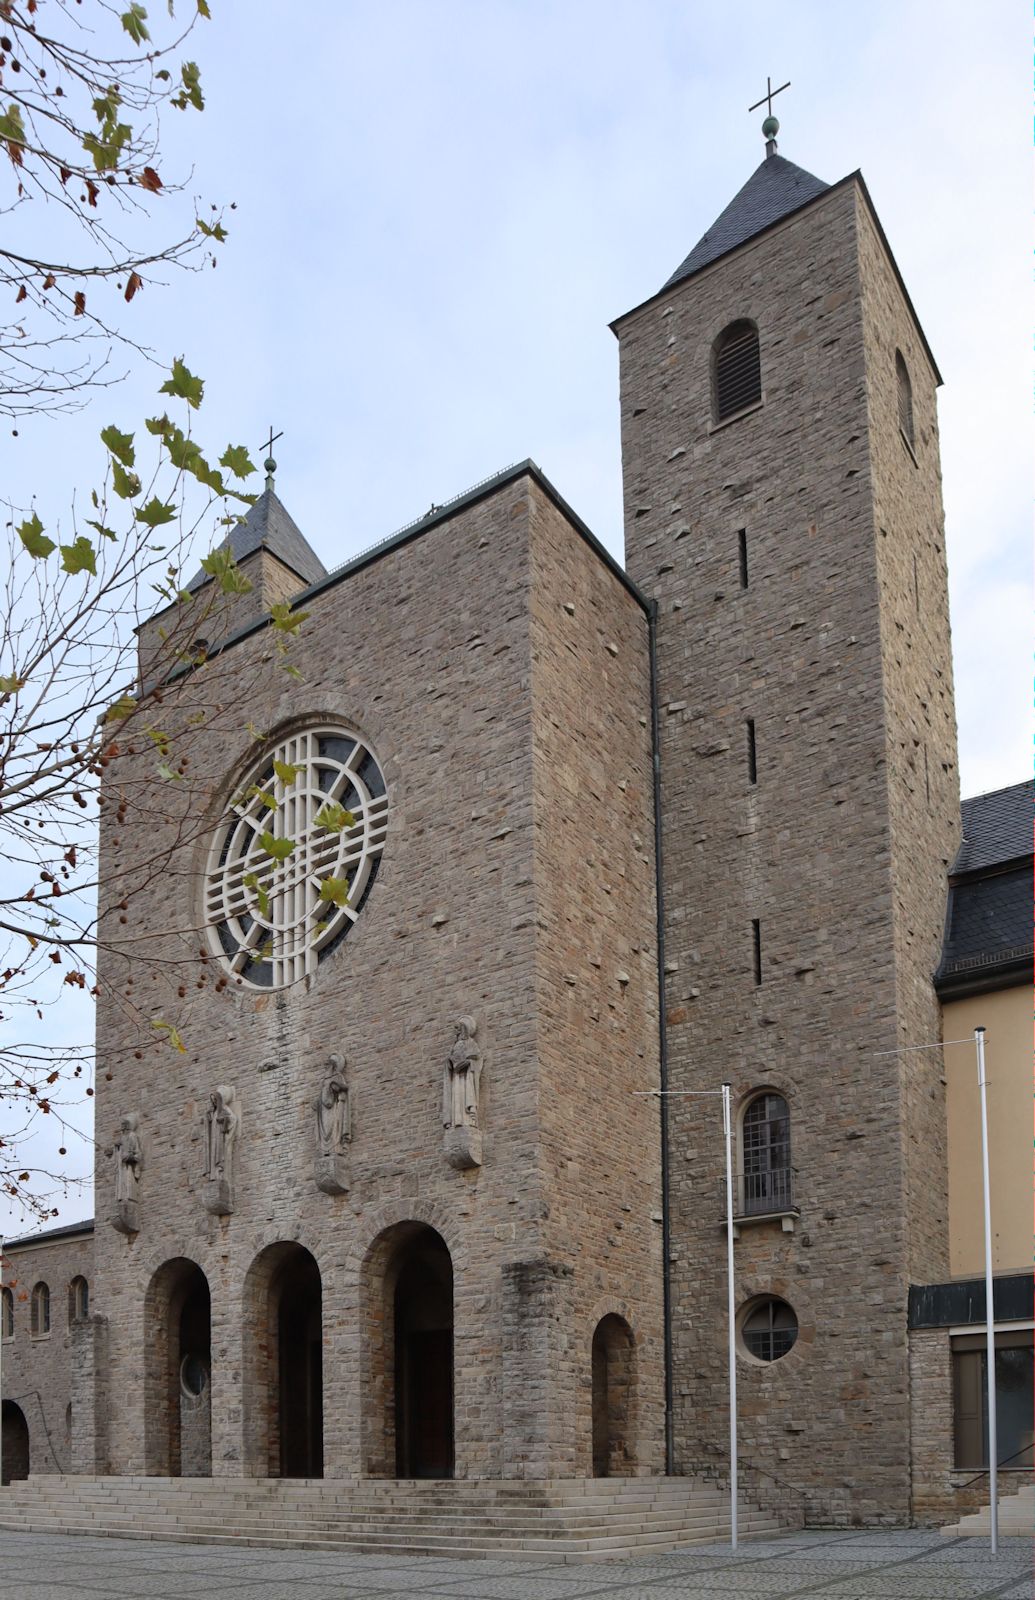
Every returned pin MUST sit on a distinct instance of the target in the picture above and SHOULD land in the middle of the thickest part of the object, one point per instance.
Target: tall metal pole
(993, 1443)
(727, 1126)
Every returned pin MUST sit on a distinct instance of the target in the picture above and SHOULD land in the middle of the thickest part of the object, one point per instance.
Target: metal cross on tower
(269, 463)
(770, 127)
(770, 95)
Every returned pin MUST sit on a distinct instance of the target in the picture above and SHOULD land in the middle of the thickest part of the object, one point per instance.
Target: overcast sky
(440, 207)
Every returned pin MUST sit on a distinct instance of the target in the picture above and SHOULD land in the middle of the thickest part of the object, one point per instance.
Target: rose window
(295, 857)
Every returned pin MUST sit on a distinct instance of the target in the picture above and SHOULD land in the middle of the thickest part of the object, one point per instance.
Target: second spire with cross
(770, 127)
(269, 463)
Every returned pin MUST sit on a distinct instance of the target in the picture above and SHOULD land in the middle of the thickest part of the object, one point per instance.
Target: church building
(473, 893)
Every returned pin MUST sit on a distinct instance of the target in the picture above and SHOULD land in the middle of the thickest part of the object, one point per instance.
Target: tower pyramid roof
(268, 526)
(774, 189)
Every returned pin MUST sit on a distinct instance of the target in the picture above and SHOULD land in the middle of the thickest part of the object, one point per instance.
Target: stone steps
(1016, 1517)
(575, 1520)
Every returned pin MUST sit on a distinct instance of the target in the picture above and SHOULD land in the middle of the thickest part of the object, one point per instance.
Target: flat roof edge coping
(415, 530)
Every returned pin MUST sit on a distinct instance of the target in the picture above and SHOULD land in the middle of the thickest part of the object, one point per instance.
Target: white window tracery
(275, 911)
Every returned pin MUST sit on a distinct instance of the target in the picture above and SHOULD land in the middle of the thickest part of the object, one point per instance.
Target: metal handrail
(1023, 1451)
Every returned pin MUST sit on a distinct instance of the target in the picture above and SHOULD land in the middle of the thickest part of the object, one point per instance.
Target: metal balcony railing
(764, 1193)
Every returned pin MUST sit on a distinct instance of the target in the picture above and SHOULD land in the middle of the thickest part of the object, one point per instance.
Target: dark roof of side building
(997, 827)
(773, 190)
(988, 921)
(269, 526)
(52, 1235)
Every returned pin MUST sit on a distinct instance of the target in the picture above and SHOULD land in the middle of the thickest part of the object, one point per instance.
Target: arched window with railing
(905, 399)
(736, 369)
(765, 1141)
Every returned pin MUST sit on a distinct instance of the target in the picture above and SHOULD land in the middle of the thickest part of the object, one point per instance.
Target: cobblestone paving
(819, 1566)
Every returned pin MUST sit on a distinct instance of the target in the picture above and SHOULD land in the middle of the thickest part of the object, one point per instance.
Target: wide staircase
(572, 1520)
(1016, 1517)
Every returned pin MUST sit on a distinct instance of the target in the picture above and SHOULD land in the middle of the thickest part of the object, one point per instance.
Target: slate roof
(988, 922)
(773, 190)
(268, 526)
(51, 1235)
(997, 827)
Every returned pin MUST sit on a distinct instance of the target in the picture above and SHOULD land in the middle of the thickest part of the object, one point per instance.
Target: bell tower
(783, 507)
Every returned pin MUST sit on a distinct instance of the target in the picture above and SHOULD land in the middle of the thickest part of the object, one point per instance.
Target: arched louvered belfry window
(905, 399)
(738, 369)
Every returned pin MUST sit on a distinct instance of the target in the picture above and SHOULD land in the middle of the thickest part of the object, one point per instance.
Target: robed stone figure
(129, 1162)
(461, 1087)
(333, 1113)
(222, 1121)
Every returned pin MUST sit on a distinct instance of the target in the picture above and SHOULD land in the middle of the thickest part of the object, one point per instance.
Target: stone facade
(498, 669)
(777, 545)
(43, 1393)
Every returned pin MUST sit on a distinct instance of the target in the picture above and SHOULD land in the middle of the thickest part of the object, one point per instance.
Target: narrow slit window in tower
(756, 941)
(752, 756)
(742, 542)
(905, 399)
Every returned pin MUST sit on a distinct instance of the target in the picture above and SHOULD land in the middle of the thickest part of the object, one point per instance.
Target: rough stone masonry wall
(426, 653)
(39, 1372)
(597, 973)
(806, 850)
(922, 770)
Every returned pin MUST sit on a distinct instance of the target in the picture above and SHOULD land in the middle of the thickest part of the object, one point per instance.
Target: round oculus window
(295, 856)
(193, 1376)
(768, 1329)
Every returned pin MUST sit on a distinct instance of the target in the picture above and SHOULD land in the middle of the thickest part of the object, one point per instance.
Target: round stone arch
(610, 1415)
(177, 1331)
(283, 1343)
(384, 1253)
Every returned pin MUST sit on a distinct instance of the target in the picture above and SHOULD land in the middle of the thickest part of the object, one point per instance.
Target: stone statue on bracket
(462, 1139)
(333, 1110)
(129, 1163)
(222, 1121)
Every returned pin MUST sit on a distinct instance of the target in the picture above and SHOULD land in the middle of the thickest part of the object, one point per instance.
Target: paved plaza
(821, 1566)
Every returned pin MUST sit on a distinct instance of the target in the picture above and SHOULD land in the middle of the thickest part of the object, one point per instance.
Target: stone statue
(333, 1109)
(461, 1082)
(129, 1161)
(222, 1121)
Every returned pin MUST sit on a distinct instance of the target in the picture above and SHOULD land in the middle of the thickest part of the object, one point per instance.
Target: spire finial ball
(270, 465)
(770, 128)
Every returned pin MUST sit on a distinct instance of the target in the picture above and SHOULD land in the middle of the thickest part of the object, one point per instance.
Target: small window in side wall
(905, 399)
(737, 372)
(6, 1314)
(78, 1301)
(39, 1315)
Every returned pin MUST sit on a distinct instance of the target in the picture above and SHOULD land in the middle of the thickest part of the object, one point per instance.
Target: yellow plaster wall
(1006, 1015)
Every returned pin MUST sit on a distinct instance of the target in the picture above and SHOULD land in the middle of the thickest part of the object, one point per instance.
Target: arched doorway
(283, 1331)
(178, 1372)
(613, 1387)
(408, 1355)
(14, 1442)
